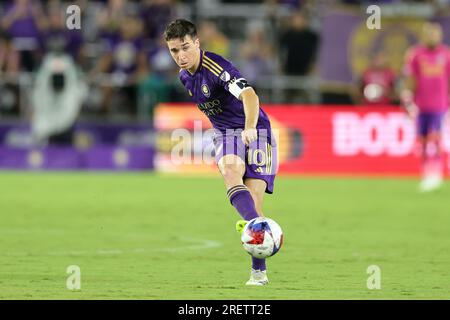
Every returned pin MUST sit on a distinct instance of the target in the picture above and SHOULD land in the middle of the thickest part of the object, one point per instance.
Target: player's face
(380, 61)
(185, 52)
(432, 34)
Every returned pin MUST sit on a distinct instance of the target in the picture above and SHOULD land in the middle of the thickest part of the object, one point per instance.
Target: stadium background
(305, 60)
(122, 121)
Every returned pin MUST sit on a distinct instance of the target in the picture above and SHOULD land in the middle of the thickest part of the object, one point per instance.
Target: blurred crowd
(117, 48)
(120, 52)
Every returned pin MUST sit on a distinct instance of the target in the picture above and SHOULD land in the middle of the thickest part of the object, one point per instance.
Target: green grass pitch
(148, 236)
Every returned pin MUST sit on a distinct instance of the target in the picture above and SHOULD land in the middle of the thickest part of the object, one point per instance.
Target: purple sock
(258, 264)
(242, 200)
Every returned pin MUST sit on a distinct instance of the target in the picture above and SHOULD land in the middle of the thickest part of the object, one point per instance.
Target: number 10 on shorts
(260, 157)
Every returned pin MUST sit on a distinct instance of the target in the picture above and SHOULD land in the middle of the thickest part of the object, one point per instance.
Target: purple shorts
(260, 157)
(429, 122)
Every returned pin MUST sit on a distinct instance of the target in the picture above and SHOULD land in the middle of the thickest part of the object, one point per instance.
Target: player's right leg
(232, 169)
(230, 159)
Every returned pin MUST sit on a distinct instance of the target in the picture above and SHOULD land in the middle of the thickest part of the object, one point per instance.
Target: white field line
(195, 245)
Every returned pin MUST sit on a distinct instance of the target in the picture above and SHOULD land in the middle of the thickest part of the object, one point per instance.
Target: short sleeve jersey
(431, 70)
(216, 87)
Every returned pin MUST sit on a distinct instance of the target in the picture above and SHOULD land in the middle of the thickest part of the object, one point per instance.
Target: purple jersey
(215, 87)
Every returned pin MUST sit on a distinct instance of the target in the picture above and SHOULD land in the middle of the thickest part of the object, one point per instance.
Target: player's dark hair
(180, 28)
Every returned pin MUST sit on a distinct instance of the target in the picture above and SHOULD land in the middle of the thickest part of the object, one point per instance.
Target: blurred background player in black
(25, 20)
(299, 45)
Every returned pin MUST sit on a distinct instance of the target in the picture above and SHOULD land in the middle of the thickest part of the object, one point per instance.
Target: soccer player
(425, 96)
(245, 149)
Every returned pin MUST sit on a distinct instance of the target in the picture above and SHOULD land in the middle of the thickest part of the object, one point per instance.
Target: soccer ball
(262, 237)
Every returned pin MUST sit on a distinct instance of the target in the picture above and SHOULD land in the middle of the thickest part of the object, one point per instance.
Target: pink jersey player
(430, 68)
(427, 70)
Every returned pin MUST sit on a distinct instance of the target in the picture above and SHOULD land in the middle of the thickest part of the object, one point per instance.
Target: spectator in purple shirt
(9, 67)
(9, 59)
(156, 14)
(126, 62)
(25, 21)
(59, 38)
(111, 17)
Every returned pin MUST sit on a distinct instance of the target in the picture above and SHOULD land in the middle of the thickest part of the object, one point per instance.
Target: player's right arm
(408, 86)
(407, 95)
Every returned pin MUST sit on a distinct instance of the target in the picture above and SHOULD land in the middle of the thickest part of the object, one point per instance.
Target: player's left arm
(250, 101)
(237, 85)
(232, 81)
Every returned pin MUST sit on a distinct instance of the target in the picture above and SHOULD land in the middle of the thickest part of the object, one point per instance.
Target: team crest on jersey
(225, 76)
(205, 90)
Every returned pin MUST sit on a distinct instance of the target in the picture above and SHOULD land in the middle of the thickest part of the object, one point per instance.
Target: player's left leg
(434, 156)
(261, 167)
(432, 159)
(257, 189)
